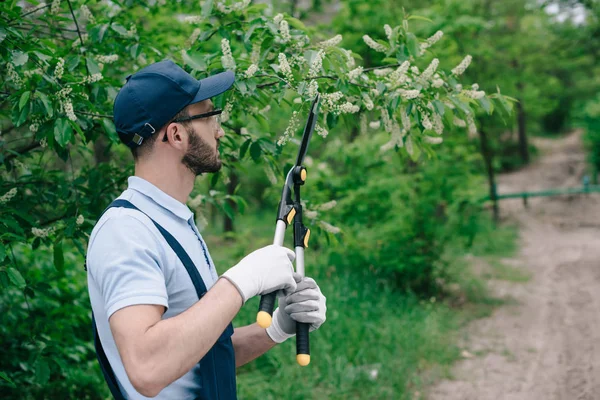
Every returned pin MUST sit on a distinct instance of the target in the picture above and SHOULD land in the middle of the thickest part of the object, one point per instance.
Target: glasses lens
(217, 119)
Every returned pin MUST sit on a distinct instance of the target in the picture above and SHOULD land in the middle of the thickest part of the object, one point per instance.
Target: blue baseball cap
(154, 95)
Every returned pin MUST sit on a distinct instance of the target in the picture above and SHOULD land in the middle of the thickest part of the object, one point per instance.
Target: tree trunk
(521, 117)
(233, 182)
(101, 154)
(488, 160)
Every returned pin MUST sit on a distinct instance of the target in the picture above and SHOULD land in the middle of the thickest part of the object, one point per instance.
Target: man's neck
(176, 181)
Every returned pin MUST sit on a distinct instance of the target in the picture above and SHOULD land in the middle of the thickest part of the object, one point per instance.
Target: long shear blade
(308, 130)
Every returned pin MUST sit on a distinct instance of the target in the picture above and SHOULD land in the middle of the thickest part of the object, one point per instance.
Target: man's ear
(174, 133)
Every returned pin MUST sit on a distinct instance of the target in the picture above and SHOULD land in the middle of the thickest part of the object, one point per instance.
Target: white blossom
(410, 94)
(55, 7)
(193, 19)
(284, 67)
(474, 94)
(397, 77)
(432, 139)
(327, 206)
(68, 108)
(236, 6)
(32, 72)
(251, 71)
(8, 196)
(290, 130)
(374, 45)
(431, 41)
(367, 102)
(278, 18)
(430, 70)
(464, 64)
(310, 214)
(438, 124)
(415, 70)
(458, 87)
(313, 89)
(475, 86)
(316, 65)
(226, 112)
(60, 68)
(87, 14)
(348, 108)
(330, 99)
(64, 92)
(94, 78)
(388, 31)
(349, 59)
(471, 125)
(227, 59)
(375, 124)
(334, 41)
(329, 228)
(79, 220)
(363, 123)
(321, 131)
(387, 122)
(425, 121)
(284, 30)
(405, 118)
(255, 55)
(34, 127)
(132, 31)
(409, 145)
(13, 75)
(196, 201)
(44, 143)
(437, 83)
(355, 73)
(459, 122)
(193, 37)
(381, 72)
(42, 233)
(109, 59)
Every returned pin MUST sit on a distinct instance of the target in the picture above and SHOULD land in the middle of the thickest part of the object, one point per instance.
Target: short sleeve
(125, 261)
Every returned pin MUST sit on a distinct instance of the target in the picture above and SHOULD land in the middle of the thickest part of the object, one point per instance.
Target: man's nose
(220, 132)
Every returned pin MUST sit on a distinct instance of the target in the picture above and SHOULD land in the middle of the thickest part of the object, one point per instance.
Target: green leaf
(92, 66)
(2, 252)
(16, 278)
(207, 8)
(133, 50)
(59, 257)
(486, 104)
(255, 151)
(195, 60)
(24, 99)
(419, 18)
(19, 58)
(46, 102)
(109, 128)
(63, 132)
(295, 23)
(244, 148)
(413, 45)
(7, 379)
(2, 37)
(72, 62)
(439, 107)
(120, 29)
(77, 128)
(42, 371)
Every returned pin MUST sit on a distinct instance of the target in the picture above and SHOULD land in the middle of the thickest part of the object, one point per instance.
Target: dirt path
(546, 345)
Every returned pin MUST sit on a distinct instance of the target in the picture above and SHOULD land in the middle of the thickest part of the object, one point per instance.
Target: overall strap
(187, 262)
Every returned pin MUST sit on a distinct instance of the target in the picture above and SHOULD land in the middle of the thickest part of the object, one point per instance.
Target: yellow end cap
(291, 215)
(303, 359)
(306, 237)
(264, 319)
(303, 174)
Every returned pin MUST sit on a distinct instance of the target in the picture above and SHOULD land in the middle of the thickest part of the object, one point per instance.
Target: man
(163, 317)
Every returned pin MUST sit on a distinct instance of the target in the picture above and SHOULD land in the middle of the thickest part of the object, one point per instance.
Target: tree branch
(33, 11)
(22, 150)
(94, 115)
(78, 32)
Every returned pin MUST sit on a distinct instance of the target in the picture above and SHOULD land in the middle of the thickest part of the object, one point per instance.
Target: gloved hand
(305, 304)
(263, 271)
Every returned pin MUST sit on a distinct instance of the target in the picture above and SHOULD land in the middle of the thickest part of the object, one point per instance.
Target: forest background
(400, 171)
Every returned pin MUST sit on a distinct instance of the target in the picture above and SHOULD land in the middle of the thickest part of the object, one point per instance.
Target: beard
(200, 157)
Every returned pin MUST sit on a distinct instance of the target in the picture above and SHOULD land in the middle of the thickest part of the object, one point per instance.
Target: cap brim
(214, 85)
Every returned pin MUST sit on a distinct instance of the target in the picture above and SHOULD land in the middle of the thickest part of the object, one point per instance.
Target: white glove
(305, 304)
(263, 271)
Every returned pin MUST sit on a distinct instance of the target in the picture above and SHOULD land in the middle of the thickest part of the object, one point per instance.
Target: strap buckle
(138, 139)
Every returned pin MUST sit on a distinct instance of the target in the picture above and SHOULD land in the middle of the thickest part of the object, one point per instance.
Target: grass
(376, 343)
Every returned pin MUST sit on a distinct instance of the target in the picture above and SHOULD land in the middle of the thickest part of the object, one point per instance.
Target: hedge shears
(290, 211)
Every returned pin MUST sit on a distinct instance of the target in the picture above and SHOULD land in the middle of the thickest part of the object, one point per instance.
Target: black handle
(302, 344)
(265, 310)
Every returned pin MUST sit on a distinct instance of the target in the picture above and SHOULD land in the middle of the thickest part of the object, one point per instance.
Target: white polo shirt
(130, 263)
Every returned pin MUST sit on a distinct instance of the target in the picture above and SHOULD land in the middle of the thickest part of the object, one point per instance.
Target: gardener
(148, 265)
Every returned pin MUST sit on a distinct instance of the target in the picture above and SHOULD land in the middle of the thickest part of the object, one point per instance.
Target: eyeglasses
(215, 116)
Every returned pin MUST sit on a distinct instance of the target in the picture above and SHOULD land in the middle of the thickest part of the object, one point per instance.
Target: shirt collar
(161, 198)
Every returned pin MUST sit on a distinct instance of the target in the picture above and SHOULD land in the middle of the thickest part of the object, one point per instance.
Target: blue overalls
(217, 367)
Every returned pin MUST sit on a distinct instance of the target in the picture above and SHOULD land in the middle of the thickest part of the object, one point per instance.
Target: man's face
(203, 141)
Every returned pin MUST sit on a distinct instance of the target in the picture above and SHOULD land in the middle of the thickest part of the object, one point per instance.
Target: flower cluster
(430, 70)
(431, 41)
(193, 19)
(109, 59)
(291, 128)
(374, 45)
(321, 131)
(432, 139)
(278, 18)
(238, 6)
(60, 68)
(313, 89)
(367, 102)
(471, 124)
(399, 75)
(316, 65)
(227, 112)
(334, 41)
(255, 55)
(409, 94)
(227, 60)
(388, 31)
(34, 127)
(79, 220)
(94, 78)
(329, 228)
(42, 233)
(13, 75)
(67, 106)
(459, 122)
(284, 67)
(196, 201)
(327, 206)
(464, 64)
(8, 196)
(350, 63)
(284, 30)
(87, 14)
(55, 7)
(251, 71)
(355, 73)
